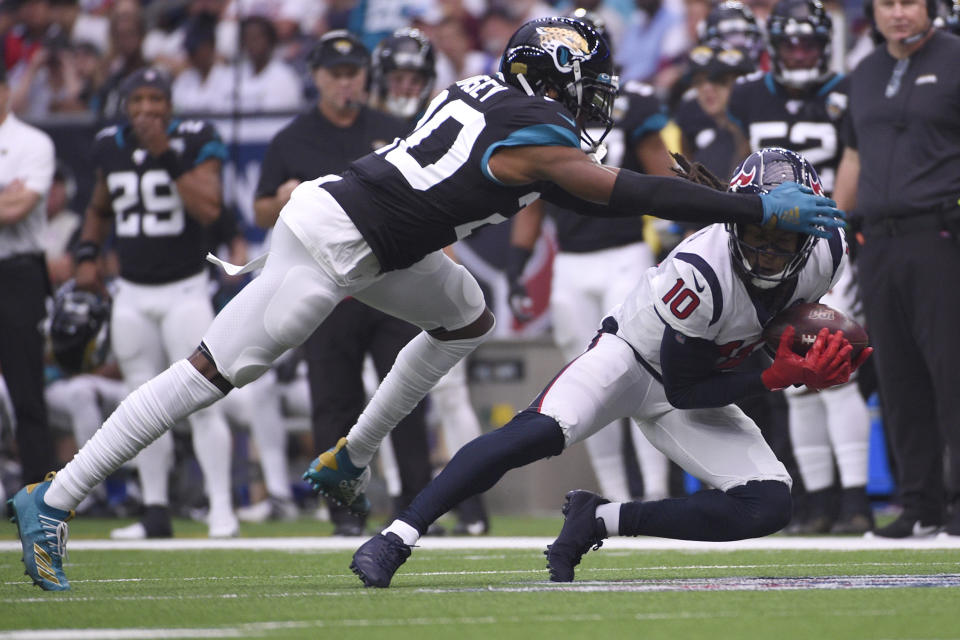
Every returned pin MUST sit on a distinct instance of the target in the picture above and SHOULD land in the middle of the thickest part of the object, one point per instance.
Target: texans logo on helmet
(743, 178)
(815, 185)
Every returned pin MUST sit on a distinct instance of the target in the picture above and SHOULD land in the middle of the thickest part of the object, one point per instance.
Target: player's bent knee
(482, 327)
(767, 506)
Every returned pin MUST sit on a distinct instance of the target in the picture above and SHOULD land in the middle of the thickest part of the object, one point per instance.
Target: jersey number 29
(147, 204)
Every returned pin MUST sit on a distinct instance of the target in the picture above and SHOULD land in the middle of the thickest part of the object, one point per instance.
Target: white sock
(848, 421)
(811, 440)
(605, 448)
(213, 446)
(267, 426)
(407, 533)
(143, 417)
(418, 367)
(610, 514)
(153, 466)
(450, 400)
(654, 466)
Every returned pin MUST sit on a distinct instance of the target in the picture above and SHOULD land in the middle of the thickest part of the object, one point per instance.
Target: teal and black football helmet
(570, 58)
(78, 329)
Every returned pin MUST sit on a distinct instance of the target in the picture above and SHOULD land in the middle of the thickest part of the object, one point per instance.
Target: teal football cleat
(332, 474)
(43, 535)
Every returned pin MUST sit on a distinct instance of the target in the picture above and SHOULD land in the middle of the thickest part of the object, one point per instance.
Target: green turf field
(484, 593)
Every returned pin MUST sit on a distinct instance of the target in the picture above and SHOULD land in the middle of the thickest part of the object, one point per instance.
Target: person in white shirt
(26, 171)
(265, 83)
(205, 85)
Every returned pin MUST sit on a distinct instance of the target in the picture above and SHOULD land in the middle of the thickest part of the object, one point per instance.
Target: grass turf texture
(472, 594)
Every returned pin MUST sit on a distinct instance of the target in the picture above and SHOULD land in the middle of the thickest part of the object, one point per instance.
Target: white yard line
(777, 543)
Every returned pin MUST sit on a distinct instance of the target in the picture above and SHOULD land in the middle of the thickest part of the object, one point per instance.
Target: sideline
(332, 543)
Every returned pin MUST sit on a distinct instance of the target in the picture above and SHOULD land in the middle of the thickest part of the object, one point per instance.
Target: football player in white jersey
(664, 357)
(486, 147)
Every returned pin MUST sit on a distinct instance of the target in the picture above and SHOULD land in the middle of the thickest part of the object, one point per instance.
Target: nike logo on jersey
(696, 283)
(570, 120)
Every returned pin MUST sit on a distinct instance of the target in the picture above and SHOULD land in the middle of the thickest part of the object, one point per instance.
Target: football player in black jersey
(485, 148)
(404, 71)
(799, 104)
(158, 188)
(598, 262)
(334, 132)
(708, 135)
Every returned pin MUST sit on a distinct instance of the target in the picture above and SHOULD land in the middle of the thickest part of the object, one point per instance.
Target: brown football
(807, 319)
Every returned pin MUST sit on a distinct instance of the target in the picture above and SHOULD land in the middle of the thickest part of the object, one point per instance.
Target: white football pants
(722, 447)
(586, 286)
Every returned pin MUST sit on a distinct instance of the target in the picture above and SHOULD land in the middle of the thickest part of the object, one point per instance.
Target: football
(807, 319)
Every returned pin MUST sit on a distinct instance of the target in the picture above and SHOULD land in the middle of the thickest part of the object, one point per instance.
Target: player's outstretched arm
(582, 185)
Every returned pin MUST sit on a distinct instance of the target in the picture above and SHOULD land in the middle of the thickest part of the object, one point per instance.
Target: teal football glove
(793, 207)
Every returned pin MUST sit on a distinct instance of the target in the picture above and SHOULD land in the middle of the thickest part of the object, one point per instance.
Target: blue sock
(480, 464)
(758, 508)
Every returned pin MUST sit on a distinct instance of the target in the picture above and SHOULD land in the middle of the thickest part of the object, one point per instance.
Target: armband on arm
(86, 250)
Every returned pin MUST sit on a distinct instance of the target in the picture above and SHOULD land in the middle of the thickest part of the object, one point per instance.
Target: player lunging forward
(486, 147)
(664, 358)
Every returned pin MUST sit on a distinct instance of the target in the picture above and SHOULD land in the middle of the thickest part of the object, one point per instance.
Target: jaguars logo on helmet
(566, 59)
(78, 329)
(759, 173)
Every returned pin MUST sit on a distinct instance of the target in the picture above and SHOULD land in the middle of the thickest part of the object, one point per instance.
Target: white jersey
(696, 291)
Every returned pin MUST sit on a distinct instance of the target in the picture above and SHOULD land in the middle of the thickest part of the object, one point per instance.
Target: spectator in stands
(33, 23)
(653, 44)
(205, 85)
(457, 59)
(50, 83)
(81, 25)
(124, 56)
(265, 83)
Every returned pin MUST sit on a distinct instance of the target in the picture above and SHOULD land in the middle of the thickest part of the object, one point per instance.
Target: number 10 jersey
(427, 190)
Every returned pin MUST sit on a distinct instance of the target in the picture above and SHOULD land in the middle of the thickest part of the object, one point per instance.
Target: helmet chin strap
(577, 77)
(523, 83)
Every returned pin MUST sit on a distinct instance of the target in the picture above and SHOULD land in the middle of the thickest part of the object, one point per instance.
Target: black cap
(146, 77)
(339, 47)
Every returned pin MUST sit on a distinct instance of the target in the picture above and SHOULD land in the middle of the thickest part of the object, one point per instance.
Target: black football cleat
(378, 559)
(582, 529)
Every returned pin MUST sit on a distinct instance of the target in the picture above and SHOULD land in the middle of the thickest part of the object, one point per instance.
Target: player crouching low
(666, 357)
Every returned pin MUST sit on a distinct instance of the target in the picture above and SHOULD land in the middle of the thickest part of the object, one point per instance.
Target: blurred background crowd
(246, 67)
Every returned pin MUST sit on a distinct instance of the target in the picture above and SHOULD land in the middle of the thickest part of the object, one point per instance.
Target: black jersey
(909, 143)
(433, 187)
(637, 113)
(312, 146)
(810, 124)
(706, 142)
(156, 241)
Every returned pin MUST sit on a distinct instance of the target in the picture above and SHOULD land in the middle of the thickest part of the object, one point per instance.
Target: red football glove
(826, 364)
